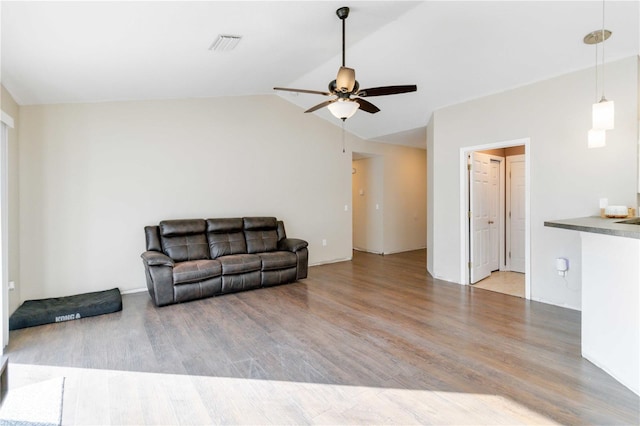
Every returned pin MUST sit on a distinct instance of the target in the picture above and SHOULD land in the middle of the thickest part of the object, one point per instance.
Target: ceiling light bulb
(603, 115)
(343, 108)
(597, 138)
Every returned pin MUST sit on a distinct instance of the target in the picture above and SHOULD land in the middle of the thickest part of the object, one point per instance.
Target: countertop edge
(596, 225)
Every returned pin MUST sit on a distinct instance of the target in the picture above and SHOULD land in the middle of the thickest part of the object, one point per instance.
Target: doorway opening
(494, 216)
(367, 196)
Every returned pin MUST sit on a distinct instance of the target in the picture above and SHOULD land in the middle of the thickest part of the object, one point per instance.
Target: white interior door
(479, 235)
(517, 214)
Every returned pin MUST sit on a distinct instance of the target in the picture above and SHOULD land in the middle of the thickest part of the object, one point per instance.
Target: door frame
(464, 206)
(6, 122)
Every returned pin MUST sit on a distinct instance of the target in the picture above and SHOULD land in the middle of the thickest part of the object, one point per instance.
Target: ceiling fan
(346, 89)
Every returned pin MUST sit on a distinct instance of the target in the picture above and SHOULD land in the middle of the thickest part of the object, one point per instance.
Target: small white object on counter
(616, 211)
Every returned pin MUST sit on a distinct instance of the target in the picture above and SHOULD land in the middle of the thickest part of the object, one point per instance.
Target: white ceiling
(60, 52)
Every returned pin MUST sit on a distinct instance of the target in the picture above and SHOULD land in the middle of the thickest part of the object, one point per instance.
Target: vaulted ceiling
(61, 52)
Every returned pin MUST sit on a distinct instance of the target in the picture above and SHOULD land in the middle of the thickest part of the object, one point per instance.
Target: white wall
(367, 188)
(567, 178)
(93, 175)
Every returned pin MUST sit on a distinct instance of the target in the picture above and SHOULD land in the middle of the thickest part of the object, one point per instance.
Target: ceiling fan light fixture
(346, 80)
(343, 108)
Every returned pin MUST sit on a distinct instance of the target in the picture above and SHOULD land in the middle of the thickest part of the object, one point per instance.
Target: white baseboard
(326, 262)
(135, 290)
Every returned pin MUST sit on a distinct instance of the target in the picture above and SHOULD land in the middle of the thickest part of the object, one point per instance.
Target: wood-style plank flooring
(375, 340)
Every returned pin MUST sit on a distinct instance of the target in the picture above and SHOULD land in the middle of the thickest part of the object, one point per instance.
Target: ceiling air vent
(224, 43)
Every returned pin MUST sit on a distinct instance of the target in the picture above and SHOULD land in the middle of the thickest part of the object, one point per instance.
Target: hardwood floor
(379, 326)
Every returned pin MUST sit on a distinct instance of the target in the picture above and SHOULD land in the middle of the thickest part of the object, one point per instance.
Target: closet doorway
(496, 225)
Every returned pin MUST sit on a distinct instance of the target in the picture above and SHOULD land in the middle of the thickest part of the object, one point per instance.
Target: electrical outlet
(12, 285)
(324, 243)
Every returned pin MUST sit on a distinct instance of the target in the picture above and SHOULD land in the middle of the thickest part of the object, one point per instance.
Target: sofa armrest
(155, 258)
(292, 244)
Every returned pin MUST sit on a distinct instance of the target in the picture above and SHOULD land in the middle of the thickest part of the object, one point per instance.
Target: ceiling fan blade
(367, 106)
(313, 92)
(387, 90)
(346, 80)
(322, 105)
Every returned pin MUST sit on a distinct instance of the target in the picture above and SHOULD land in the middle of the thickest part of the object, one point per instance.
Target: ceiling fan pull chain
(343, 151)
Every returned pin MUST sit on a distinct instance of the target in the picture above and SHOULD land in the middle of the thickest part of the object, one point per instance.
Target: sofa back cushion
(261, 234)
(225, 237)
(184, 239)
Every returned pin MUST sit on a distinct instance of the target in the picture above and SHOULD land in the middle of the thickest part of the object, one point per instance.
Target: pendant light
(602, 112)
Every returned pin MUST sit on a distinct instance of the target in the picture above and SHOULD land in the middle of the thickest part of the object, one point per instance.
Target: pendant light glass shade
(603, 115)
(597, 138)
(343, 108)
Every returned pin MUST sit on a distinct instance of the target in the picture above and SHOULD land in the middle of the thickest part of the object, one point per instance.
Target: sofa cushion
(184, 240)
(196, 270)
(278, 260)
(261, 234)
(224, 225)
(261, 241)
(172, 228)
(225, 237)
(260, 223)
(240, 263)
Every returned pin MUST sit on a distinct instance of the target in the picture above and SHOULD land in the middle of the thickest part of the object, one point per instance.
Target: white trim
(464, 189)
(6, 119)
(4, 240)
(135, 290)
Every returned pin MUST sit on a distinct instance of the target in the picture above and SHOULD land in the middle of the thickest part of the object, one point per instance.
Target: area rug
(36, 404)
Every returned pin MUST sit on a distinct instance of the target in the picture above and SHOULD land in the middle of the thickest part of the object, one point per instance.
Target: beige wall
(567, 178)
(93, 175)
(404, 205)
(367, 187)
(10, 107)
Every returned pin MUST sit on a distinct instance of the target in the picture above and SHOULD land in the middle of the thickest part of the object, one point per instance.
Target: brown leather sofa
(191, 259)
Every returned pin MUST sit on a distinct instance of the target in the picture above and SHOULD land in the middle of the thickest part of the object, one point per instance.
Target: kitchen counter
(610, 287)
(598, 225)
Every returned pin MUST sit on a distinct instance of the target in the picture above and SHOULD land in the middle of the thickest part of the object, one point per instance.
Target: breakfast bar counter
(610, 294)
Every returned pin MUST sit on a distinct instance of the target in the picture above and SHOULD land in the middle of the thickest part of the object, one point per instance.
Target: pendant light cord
(597, 81)
(603, 98)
